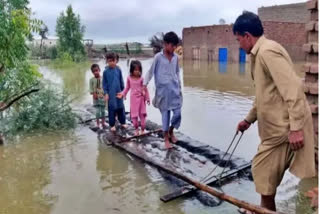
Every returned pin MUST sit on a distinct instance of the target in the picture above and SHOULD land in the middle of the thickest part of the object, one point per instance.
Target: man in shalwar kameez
(280, 108)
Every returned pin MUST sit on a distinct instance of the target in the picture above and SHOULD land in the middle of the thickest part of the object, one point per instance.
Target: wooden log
(191, 189)
(239, 203)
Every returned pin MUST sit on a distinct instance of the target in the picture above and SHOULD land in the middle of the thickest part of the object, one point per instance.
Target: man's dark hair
(111, 55)
(117, 57)
(171, 38)
(248, 22)
(93, 66)
(134, 64)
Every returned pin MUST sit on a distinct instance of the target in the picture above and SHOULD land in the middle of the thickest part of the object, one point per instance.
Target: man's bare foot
(136, 132)
(104, 126)
(113, 129)
(142, 131)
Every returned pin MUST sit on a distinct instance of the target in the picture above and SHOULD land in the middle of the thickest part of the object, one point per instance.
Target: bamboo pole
(230, 199)
(190, 189)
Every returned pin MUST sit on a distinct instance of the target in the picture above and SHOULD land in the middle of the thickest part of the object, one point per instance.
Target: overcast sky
(137, 20)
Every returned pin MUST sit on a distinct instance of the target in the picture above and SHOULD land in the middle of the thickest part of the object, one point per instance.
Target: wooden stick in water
(239, 203)
(141, 135)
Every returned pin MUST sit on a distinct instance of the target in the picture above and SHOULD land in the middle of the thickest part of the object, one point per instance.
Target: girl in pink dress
(138, 96)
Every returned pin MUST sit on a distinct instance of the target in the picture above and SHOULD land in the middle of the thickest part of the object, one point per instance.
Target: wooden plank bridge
(189, 161)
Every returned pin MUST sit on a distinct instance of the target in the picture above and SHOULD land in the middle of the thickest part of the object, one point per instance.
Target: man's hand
(296, 140)
(243, 125)
(106, 97)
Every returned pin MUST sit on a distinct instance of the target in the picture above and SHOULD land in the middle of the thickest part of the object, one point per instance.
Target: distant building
(50, 42)
(217, 42)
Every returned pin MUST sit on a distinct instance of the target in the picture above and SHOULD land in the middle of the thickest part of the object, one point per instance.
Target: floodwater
(73, 172)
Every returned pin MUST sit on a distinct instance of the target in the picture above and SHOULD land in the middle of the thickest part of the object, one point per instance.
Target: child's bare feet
(173, 138)
(171, 135)
(104, 126)
(113, 129)
(124, 126)
(167, 141)
(136, 132)
(142, 131)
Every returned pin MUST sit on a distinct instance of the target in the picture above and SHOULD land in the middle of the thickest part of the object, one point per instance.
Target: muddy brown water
(73, 172)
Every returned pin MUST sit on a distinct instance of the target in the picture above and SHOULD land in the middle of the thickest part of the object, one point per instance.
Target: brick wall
(296, 13)
(208, 39)
(311, 66)
(290, 35)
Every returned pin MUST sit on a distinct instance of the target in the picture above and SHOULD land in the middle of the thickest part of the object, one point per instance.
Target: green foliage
(45, 53)
(52, 52)
(70, 33)
(64, 58)
(16, 26)
(13, 81)
(47, 109)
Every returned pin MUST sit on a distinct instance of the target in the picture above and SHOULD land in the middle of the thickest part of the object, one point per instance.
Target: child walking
(168, 95)
(138, 96)
(113, 86)
(95, 86)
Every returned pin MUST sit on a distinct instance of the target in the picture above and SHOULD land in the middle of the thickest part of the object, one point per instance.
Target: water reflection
(73, 79)
(235, 77)
(25, 173)
(242, 68)
(223, 66)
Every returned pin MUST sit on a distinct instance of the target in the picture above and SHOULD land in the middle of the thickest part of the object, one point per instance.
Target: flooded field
(73, 172)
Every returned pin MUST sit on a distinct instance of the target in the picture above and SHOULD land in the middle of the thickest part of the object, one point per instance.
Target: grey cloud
(124, 19)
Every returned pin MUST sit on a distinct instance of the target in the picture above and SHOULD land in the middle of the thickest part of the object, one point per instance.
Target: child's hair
(171, 37)
(111, 55)
(117, 57)
(93, 66)
(133, 65)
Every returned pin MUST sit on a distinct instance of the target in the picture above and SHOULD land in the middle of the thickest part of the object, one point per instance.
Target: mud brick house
(284, 24)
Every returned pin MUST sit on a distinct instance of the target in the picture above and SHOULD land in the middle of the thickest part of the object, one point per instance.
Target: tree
(43, 33)
(222, 21)
(19, 79)
(156, 42)
(70, 33)
(16, 25)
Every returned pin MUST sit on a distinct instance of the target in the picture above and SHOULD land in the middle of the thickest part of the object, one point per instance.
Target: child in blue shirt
(113, 86)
